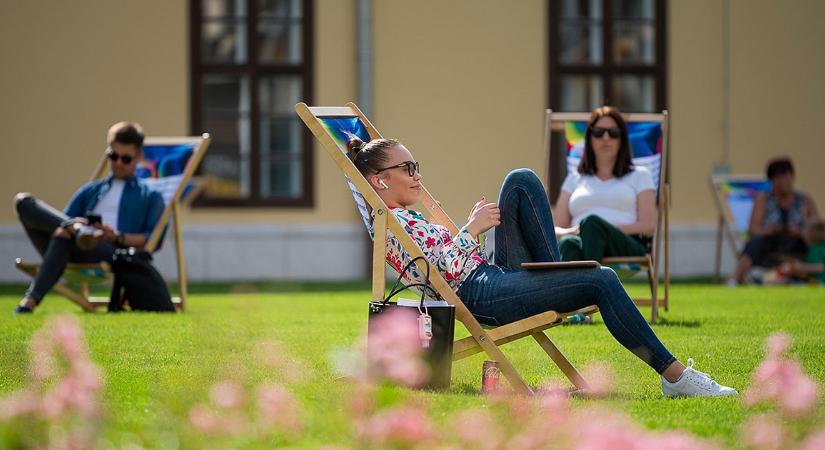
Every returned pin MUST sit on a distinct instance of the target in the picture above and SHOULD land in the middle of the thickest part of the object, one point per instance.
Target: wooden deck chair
(329, 125)
(168, 165)
(734, 196)
(648, 134)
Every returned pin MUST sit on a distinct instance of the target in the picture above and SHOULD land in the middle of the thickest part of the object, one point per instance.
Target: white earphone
(383, 185)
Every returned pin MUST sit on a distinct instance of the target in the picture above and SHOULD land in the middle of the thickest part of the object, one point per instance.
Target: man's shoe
(22, 310)
(693, 383)
(88, 238)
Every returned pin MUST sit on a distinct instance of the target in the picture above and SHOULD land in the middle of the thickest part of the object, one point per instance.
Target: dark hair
(779, 166)
(624, 161)
(130, 133)
(369, 157)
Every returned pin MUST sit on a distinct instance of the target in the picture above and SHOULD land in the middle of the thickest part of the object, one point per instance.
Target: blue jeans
(40, 221)
(503, 293)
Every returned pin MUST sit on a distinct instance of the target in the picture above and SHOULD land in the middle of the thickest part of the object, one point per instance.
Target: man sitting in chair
(123, 212)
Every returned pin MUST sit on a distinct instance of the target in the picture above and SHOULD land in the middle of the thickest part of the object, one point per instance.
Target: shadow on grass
(664, 322)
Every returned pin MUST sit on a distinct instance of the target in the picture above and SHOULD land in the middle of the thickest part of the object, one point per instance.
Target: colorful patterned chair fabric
(734, 196)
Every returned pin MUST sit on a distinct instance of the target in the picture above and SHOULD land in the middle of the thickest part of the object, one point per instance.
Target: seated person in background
(777, 221)
(503, 292)
(607, 207)
(812, 268)
(127, 207)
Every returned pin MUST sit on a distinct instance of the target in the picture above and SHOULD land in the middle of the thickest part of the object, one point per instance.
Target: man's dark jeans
(40, 222)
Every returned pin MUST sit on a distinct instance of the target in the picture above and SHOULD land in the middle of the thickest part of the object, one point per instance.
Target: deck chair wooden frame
(661, 236)
(727, 225)
(101, 272)
(480, 339)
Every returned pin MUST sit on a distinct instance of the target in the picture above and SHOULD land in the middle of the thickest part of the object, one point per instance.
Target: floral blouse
(455, 257)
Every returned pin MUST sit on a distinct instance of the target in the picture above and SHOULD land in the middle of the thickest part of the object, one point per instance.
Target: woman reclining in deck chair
(608, 207)
(502, 292)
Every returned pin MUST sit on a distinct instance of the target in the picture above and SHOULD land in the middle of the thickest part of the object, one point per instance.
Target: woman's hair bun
(354, 145)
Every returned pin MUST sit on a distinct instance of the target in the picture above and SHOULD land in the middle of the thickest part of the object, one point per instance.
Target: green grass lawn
(157, 366)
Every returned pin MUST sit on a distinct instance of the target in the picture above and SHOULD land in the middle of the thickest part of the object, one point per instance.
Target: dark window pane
(634, 43)
(278, 95)
(581, 92)
(223, 41)
(280, 136)
(223, 173)
(226, 116)
(281, 179)
(223, 8)
(634, 93)
(581, 43)
(279, 41)
(634, 9)
(280, 8)
(581, 9)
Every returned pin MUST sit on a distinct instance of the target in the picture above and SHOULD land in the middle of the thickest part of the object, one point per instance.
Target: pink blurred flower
(67, 333)
(781, 380)
(478, 429)
(394, 349)
(361, 400)
(599, 380)
(814, 441)
(208, 421)
(273, 355)
(203, 418)
(20, 403)
(777, 344)
(402, 426)
(598, 428)
(763, 432)
(674, 441)
(279, 408)
(227, 394)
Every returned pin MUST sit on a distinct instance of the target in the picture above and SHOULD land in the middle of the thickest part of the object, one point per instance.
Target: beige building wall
(70, 70)
(463, 85)
(777, 95)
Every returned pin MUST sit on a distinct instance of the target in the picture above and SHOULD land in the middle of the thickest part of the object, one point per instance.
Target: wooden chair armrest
(560, 265)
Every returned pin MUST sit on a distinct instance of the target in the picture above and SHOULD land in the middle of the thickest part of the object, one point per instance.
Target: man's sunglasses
(411, 166)
(614, 133)
(126, 159)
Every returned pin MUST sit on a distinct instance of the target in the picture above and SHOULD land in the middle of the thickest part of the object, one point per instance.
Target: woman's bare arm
(645, 213)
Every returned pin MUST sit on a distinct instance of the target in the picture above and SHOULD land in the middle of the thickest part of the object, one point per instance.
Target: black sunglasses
(411, 166)
(126, 159)
(614, 133)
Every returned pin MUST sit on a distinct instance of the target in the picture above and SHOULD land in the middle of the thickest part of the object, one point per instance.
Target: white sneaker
(731, 283)
(693, 383)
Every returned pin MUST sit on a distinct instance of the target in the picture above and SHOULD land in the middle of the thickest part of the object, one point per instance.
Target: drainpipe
(363, 27)
(364, 55)
(724, 165)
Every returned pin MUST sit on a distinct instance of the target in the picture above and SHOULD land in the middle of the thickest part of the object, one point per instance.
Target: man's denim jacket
(140, 206)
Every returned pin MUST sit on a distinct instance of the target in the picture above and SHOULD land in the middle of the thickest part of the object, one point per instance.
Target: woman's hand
(483, 217)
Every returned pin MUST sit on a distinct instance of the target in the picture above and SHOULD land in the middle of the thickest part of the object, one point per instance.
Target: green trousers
(598, 239)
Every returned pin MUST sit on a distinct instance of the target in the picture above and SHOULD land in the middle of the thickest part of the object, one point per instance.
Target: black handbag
(138, 282)
(438, 350)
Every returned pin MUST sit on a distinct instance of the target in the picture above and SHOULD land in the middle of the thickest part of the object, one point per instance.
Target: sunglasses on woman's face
(614, 133)
(113, 157)
(411, 166)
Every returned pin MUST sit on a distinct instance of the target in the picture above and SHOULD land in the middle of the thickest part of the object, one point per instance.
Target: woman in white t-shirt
(607, 207)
